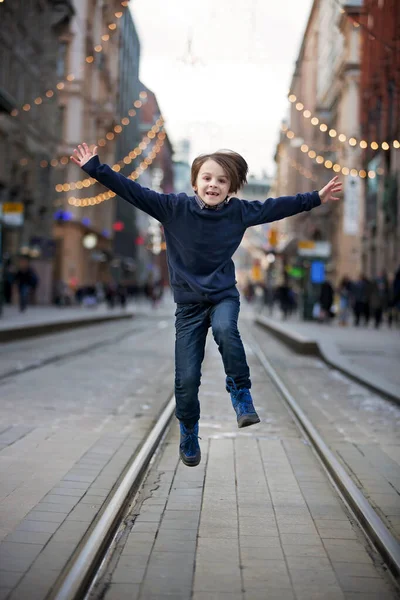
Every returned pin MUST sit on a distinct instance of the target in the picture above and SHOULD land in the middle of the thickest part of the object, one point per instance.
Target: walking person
(26, 281)
(344, 301)
(202, 232)
(326, 301)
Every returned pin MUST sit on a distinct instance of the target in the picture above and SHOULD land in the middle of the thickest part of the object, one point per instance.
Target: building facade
(314, 142)
(89, 107)
(30, 129)
(380, 127)
(130, 101)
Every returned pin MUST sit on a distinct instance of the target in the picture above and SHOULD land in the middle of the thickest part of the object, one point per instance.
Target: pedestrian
(361, 300)
(344, 301)
(202, 232)
(376, 303)
(26, 280)
(326, 301)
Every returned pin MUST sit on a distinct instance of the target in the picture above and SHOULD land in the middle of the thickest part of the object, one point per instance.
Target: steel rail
(84, 563)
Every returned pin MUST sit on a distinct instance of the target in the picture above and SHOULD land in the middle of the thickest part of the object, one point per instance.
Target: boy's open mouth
(212, 193)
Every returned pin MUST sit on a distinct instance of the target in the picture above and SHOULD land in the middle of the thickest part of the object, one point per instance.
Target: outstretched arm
(159, 206)
(274, 209)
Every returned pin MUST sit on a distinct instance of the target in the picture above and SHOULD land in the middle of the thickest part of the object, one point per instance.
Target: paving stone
(309, 562)
(364, 584)
(316, 593)
(122, 591)
(56, 508)
(271, 552)
(344, 569)
(84, 512)
(35, 584)
(9, 579)
(211, 577)
(29, 537)
(164, 535)
(216, 596)
(299, 550)
(70, 531)
(346, 551)
(174, 545)
(310, 577)
(131, 574)
(49, 517)
(267, 593)
(18, 556)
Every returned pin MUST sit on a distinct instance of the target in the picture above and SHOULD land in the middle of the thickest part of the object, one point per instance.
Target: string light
(126, 160)
(341, 136)
(70, 77)
(303, 171)
(328, 164)
(102, 197)
(64, 160)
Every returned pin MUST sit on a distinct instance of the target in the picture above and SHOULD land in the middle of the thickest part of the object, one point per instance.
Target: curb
(20, 332)
(330, 355)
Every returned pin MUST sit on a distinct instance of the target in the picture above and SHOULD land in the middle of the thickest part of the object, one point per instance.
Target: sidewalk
(41, 320)
(369, 356)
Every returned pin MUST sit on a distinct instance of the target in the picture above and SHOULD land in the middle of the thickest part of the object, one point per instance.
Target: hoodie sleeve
(159, 206)
(274, 209)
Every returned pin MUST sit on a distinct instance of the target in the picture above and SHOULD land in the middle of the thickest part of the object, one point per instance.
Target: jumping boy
(202, 233)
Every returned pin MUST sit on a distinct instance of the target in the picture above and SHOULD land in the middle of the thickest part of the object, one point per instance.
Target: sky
(235, 94)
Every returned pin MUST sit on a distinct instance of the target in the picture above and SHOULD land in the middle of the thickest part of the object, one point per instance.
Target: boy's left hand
(328, 192)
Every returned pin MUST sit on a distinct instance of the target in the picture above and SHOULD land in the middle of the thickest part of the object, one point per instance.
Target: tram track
(73, 353)
(83, 569)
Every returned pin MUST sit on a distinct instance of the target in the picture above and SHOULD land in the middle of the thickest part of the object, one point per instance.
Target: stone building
(314, 142)
(380, 127)
(30, 128)
(89, 107)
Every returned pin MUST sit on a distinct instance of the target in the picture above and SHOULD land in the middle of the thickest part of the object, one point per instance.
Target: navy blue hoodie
(200, 241)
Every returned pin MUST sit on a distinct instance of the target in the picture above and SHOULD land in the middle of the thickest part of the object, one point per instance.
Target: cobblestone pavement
(258, 519)
(67, 430)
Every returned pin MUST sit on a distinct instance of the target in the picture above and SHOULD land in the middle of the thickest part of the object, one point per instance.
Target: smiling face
(212, 183)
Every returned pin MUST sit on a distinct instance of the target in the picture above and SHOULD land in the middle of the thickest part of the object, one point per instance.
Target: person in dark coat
(326, 301)
(26, 281)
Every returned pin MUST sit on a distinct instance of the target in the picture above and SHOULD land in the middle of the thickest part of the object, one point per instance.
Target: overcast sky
(235, 94)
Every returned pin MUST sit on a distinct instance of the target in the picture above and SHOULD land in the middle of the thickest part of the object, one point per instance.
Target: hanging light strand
(98, 48)
(329, 164)
(102, 197)
(110, 135)
(126, 160)
(340, 136)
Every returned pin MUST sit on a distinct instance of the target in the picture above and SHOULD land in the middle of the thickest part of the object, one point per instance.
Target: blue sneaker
(243, 404)
(189, 449)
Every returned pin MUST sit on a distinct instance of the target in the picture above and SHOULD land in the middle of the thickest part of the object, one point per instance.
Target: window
(62, 59)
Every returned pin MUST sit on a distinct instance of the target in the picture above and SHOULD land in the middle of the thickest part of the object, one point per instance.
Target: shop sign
(311, 248)
(13, 214)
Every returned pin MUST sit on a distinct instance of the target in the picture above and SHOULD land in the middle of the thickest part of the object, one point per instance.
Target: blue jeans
(191, 325)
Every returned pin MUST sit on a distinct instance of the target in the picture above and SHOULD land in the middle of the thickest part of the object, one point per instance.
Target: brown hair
(233, 164)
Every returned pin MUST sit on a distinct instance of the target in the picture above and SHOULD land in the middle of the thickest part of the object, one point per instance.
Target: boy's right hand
(83, 154)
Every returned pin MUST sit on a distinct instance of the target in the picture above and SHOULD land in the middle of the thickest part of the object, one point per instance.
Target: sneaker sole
(247, 420)
(190, 462)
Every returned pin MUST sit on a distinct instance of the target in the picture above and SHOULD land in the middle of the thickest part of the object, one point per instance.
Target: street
(68, 427)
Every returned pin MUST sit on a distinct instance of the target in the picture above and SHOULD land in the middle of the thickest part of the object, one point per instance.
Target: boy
(202, 233)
